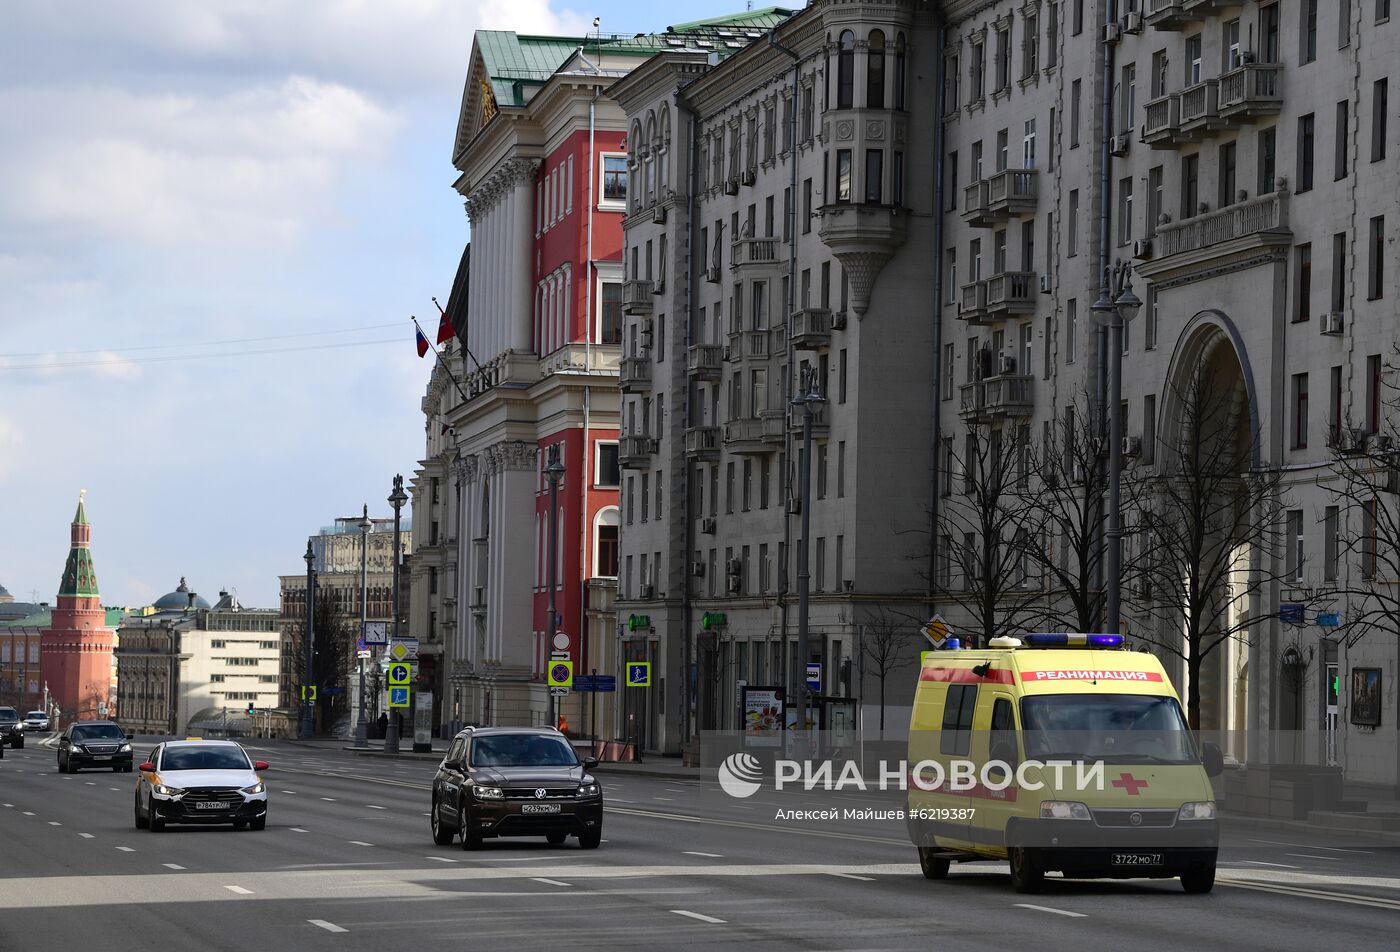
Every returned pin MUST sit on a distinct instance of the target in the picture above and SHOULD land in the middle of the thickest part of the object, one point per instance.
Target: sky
(216, 219)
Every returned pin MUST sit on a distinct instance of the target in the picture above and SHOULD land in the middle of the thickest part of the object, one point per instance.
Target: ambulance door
(998, 754)
(949, 810)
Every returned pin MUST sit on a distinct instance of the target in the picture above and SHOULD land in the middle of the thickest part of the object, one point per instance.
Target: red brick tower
(75, 651)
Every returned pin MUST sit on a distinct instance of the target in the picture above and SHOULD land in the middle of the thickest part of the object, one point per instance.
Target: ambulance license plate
(539, 808)
(1137, 859)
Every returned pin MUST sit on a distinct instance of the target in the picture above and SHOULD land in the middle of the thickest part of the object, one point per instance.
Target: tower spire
(79, 576)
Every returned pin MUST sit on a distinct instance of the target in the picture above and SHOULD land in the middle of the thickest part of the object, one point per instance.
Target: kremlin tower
(75, 654)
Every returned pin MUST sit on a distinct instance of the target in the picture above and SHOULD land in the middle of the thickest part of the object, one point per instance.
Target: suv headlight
(125, 749)
(1063, 810)
(165, 791)
(1197, 810)
(258, 787)
(588, 791)
(489, 793)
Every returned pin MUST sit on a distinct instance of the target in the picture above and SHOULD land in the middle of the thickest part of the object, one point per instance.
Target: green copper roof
(80, 517)
(763, 19)
(79, 576)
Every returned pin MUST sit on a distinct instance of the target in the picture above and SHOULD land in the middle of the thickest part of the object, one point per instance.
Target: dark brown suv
(515, 781)
(11, 730)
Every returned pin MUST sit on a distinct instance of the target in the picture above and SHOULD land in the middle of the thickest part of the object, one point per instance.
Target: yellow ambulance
(1058, 752)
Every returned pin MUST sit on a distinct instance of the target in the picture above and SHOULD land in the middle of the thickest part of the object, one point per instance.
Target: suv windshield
(522, 750)
(1114, 728)
(204, 758)
(99, 732)
(36, 714)
(8, 714)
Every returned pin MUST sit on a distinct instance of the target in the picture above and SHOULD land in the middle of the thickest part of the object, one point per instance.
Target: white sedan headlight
(166, 791)
(126, 748)
(258, 787)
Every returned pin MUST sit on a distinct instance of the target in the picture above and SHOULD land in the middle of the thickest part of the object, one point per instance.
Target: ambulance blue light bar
(1073, 639)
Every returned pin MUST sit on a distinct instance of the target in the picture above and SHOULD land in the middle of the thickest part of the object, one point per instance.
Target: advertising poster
(763, 716)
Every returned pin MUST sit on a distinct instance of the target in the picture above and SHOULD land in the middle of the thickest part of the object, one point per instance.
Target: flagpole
(462, 339)
(441, 362)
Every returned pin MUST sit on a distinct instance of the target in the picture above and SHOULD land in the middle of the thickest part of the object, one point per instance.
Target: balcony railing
(1166, 14)
(820, 426)
(704, 361)
(636, 452)
(634, 374)
(755, 251)
(1252, 90)
(811, 328)
(756, 344)
(1011, 292)
(972, 400)
(1260, 216)
(1200, 111)
(1009, 395)
(1007, 194)
(763, 434)
(1161, 124)
(972, 307)
(975, 204)
(636, 296)
(702, 442)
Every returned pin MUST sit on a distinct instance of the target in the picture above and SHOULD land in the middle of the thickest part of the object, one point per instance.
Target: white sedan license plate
(1137, 859)
(539, 808)
(210, 805)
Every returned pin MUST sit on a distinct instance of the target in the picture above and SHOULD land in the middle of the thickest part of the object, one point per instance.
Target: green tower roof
(79, 577)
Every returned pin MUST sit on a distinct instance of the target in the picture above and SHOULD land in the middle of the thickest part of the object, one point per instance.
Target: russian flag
(422, 341)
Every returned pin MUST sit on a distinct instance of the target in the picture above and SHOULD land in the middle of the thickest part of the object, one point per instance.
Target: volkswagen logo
(539, 795)
(1135, 819)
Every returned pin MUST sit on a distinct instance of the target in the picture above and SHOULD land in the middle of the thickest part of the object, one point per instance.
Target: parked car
(515, 781)
(94, 744)
(11, 732)
(201, 781)
(36, 721)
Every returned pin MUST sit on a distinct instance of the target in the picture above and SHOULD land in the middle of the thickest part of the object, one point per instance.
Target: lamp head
(1128, 304)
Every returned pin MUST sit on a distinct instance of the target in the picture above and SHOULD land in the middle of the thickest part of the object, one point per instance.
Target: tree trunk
(882, 708)
(1193, 687)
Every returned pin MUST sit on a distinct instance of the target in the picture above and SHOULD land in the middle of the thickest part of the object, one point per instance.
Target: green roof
(79, 575)
(764, 19)
(80, 517)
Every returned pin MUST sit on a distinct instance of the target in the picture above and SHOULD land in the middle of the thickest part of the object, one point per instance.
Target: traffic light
(250, 709)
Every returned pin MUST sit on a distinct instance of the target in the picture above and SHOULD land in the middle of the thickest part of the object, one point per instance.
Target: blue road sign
(1329, 619)
(1291, 613)
(814, 676)
(604, 682)
(583, 682)
(398, 697)
(639, 674)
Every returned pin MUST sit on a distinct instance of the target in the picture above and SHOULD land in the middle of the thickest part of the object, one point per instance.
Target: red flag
(445, 331)
(422, 341)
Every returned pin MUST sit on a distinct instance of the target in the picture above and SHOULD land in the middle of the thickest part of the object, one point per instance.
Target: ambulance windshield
(1114, 728)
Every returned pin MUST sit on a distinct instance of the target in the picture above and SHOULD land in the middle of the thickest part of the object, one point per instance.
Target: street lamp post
(396, 499)
(361, 727)
(308, 722)
(1117, 306)
(554, 472)
(809, 398)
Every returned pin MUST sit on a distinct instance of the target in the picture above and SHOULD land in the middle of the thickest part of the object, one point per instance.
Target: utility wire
(206, 343)
(174, 357)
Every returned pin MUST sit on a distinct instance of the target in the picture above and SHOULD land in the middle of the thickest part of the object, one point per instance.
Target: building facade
(187, 667)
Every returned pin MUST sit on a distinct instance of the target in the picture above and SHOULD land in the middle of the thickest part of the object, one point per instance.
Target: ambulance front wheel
(1026, 874)
(933, 867)
(1199, 880)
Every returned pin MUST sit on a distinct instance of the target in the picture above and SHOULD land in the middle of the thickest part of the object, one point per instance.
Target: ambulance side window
(1003, 737)
(956, 737)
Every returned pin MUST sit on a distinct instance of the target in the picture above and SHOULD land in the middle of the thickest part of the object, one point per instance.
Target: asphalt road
(347, 862)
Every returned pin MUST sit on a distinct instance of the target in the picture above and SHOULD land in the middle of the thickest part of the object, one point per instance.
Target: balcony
(702, 443)
(755, 251)
(636, 452)
(1251, 91)
(1161, 126)
(755, 436)
(634, 374)
(704, 360)
(863, 238)
(811, 328)
(1259, 222)
(1200, 110)
(820, 427)
(1011, 292)
(1205, 8)
(972, 307)
(1007, 194)
(636, 296)
(756, 345)
(1007, 395)
(1167, 14)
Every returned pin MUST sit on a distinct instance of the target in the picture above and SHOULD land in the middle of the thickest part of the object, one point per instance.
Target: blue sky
(178, 175)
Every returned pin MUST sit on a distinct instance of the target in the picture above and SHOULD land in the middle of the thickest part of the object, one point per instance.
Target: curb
(642, 770)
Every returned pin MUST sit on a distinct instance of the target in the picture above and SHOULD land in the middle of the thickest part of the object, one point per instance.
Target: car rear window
(521, 750)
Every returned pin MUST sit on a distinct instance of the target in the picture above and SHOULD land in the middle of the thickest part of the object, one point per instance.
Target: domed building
(182, 599)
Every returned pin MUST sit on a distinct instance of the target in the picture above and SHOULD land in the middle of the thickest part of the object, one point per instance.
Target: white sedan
(200, 781)
(36, 721)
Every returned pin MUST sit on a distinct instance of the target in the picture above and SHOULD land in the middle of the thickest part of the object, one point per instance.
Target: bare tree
(1212, 525)
(333, 640)
(885, 642)
(986, 533)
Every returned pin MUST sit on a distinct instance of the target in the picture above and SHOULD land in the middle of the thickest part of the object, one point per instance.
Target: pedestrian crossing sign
(639, 674)
(398, 697)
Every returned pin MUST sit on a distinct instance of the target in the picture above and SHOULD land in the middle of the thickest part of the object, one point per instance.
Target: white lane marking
(1309, 846)
(698, 916)
(706, 855)
(665, 799)
(1330, 859)
(1259, 862)
(1052, 909)
(297, 829)
(292, 792)
(86, 836)
(172, 865)
(328, 926)
(620, 800)
(549, 882)
(54, 823)
(114, 788)
(239, 890)
(371, 806)
(126, 849)
(1282, 890)
(9, 804)
(89, 784)
(863, 879)
(28, 813)
(443, 859)
(360, 843)
(329, 799)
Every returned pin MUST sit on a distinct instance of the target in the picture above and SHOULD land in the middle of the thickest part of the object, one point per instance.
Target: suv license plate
(210, 805)
(1137, 859)
(539, 808)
